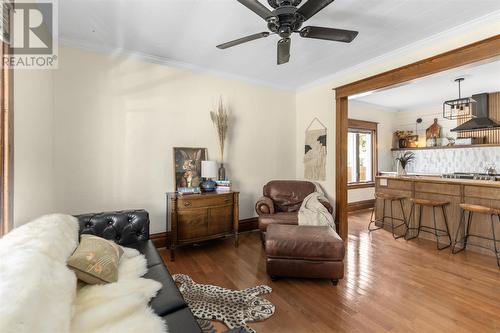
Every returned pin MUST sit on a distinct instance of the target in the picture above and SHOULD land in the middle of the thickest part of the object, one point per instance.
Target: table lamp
(209, 171)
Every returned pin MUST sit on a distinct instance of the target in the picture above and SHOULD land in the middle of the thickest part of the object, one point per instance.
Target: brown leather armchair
(281, 202)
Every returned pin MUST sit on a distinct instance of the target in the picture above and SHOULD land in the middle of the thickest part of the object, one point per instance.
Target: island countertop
(439, 180)
(452, 191)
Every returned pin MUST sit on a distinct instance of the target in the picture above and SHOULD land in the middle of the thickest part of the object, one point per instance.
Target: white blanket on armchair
(38, 293)
(313, 213)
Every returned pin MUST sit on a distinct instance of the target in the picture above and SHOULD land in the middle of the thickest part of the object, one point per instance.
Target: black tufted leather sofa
(130, 228)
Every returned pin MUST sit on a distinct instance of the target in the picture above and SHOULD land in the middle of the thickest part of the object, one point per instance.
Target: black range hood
(480, 114)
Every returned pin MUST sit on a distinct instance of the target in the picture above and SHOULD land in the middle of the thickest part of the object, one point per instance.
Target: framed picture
(187, 166)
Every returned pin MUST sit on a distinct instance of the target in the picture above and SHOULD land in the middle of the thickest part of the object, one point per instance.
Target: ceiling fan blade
(337, 35)
(311, 7)
(284, 50)
(257, 8)
(243, 40)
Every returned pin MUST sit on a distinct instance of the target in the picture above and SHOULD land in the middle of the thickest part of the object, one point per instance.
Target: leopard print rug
(232, 307)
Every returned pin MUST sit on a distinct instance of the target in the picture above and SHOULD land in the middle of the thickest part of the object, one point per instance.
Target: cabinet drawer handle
(187, 204)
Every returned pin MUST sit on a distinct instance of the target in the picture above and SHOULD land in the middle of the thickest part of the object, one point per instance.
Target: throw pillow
(95, 260)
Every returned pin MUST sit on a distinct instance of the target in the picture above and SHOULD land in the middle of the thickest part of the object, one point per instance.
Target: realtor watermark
(33, 36)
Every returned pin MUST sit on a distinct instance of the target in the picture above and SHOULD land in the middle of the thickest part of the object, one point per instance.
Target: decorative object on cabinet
(451, 140)
(201, 217)
(434, 131)
(188, 190)
(403, 138)
(403, 161)
(223, 185)
(187, 166)
(460, 107)
(208, 172)
(412, 141)
(315, 151)
(220, 119)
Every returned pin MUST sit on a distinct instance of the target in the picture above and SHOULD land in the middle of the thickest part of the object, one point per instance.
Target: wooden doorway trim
(479, 51)
(6, 144)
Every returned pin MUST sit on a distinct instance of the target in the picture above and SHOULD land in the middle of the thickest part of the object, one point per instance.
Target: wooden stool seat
(438, 232)
(430, 203)
(465, 223)
(389, 197)
(480, 209)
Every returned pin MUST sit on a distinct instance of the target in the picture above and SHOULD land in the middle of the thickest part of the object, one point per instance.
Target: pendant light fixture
(458, 108)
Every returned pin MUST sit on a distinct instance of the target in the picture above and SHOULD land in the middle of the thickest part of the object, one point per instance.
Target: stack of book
(223, 185)
(188, 190)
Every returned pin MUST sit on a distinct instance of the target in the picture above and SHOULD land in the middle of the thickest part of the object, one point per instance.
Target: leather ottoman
(304, 252)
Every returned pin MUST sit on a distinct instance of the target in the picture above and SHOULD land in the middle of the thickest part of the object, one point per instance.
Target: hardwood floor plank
(389, 285)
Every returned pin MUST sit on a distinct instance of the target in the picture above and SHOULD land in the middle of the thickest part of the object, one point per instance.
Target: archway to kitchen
(483, 51)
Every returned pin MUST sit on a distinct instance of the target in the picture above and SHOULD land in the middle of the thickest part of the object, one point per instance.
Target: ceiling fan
(286, 19)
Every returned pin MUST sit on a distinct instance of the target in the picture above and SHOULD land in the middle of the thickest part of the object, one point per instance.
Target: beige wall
(33, 144)
(319, 97)
(117, 119)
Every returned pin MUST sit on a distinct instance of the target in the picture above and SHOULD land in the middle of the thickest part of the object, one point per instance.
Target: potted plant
(220, 121)
(403, 161)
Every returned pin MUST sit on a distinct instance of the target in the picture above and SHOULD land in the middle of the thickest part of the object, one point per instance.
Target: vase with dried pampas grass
(220, 121)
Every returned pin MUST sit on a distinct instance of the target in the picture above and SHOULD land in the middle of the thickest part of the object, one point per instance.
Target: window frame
(367, 126)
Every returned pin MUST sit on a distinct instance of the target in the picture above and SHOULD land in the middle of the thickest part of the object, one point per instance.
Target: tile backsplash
(439, 161)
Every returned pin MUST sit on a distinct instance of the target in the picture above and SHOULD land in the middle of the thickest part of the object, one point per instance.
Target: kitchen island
(454, 191)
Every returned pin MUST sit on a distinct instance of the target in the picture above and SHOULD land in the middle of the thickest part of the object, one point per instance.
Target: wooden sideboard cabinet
(199, 217)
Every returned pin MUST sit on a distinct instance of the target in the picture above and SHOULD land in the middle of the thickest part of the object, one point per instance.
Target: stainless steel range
(474, 176)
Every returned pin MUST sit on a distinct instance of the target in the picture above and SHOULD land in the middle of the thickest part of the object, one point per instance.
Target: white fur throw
(122, 306)
(38, 293)
(36, 287)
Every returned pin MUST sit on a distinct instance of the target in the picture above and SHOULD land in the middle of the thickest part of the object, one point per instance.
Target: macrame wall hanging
(315, 151)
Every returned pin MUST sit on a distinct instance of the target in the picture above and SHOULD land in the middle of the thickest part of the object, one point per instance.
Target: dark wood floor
(390, 285)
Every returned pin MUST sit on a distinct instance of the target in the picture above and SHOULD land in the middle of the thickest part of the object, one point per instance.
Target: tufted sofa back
(123, 227)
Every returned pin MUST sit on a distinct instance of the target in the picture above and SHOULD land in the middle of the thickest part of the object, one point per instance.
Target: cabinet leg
(236, 240)
(172, 253)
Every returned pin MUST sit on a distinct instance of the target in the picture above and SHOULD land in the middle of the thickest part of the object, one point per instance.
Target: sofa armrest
(327, 205)
(264, 206)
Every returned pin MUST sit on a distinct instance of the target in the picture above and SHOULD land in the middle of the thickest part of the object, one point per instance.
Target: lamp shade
(209, 169)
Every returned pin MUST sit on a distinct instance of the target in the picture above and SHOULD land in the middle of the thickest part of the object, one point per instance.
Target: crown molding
(92, 47)
(340, 77)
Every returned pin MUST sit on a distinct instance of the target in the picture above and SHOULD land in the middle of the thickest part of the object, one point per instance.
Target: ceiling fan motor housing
(279, 3)
(285, 21)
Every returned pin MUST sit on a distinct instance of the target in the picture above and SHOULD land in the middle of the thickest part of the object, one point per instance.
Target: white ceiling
(479, 78)
(187, 31)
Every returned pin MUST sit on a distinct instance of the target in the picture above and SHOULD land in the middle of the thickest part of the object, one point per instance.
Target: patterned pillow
(95, 260)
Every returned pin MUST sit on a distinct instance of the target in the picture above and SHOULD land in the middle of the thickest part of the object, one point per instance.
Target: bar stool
(391, 199)
(432, 230)
(471, 209)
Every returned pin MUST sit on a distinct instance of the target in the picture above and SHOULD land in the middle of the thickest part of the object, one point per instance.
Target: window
(361, 153)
